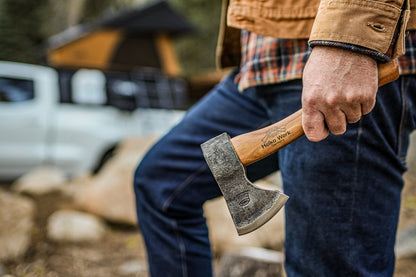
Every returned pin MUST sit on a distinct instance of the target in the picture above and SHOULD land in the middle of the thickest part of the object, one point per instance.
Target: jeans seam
(182, 186)
(355, 177)
(402, 121)
(182, 248)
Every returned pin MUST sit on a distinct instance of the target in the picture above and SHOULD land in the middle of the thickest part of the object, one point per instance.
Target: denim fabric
(173, 181)
(342, 214)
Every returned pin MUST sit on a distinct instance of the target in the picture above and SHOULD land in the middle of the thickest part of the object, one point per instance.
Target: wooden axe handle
(254, 146)
(388, 72)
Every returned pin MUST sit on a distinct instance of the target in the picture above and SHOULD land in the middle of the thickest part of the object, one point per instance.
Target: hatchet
(251, 206)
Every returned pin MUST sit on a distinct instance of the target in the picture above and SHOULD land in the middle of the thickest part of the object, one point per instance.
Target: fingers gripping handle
(256, 145)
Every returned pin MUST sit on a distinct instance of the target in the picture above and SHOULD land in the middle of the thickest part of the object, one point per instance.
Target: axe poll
(250, 206)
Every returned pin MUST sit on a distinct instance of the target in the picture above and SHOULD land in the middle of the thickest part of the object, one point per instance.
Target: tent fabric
(139, 37)
(157, 17)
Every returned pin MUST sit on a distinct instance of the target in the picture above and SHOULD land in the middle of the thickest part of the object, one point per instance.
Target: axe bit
(250, 206)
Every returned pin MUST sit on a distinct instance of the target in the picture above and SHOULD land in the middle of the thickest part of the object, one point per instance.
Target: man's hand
(339, 86)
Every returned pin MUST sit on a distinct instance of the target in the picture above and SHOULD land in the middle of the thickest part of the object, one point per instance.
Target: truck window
(16, 90)
(88, 87)
(146, 89)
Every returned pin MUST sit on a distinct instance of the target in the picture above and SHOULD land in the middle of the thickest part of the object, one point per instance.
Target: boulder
(110, 194)
(74, 226)
(132, 268)
(16, 223)
(2, 270)
(408, 204)
(251, 262)
(40, 180)
(406, 243)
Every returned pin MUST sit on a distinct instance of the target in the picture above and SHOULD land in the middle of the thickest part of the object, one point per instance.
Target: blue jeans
(342, 214)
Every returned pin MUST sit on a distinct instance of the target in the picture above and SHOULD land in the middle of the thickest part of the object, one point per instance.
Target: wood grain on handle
(256, 145)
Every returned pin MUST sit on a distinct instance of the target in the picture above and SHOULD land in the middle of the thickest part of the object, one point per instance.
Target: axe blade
(250, 206)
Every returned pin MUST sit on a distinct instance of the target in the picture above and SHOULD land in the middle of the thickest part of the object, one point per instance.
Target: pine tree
(25, 25)
(197, 51)
(21, 32)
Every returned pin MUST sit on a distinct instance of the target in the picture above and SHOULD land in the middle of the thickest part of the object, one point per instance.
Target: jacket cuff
(365, 23)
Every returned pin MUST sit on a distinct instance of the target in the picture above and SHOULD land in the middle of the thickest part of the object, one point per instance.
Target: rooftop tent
(140, 37)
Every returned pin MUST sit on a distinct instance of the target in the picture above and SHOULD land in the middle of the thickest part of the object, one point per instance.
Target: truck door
(25, 108)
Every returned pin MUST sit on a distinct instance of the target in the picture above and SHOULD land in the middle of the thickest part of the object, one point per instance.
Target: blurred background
(26, 26)
(86, 87)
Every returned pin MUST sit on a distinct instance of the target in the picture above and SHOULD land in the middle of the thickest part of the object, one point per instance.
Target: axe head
(250, 206)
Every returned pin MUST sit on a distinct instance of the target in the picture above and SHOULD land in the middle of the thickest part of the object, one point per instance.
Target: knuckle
(332, 101)
(310, 100)
(351, 99)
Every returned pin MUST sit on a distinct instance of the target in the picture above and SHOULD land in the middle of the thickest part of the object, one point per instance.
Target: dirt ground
(121, 247)
(121, 252)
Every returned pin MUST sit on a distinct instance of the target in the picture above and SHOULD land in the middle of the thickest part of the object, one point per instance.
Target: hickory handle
(254, 146)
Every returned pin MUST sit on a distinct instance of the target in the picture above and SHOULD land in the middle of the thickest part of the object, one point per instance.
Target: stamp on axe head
(250, 206)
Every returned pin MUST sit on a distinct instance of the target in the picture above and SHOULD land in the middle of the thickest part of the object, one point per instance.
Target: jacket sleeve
(370, 24)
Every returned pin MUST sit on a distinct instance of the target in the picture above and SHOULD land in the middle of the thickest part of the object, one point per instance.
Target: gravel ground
(121, 252)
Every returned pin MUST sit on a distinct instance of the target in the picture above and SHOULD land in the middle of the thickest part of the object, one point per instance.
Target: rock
(40, 181)
(406, 238)
(16, 223)
(132, 268)
(406, 243)
(251, 262)
(223, 234)
(411, 154)
(408, 204)
(74, 226)
(2, 271)
(75, 184)
(110, 194)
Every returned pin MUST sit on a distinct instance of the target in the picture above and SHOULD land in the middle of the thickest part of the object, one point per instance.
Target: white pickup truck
(74, 121)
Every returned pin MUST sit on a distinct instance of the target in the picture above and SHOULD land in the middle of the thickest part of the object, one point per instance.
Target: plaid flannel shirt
(267, 60)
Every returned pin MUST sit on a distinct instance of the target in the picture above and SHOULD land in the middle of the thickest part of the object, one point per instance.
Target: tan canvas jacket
(367, 23)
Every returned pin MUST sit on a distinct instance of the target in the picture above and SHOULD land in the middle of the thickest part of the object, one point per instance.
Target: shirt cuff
(378, 56)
